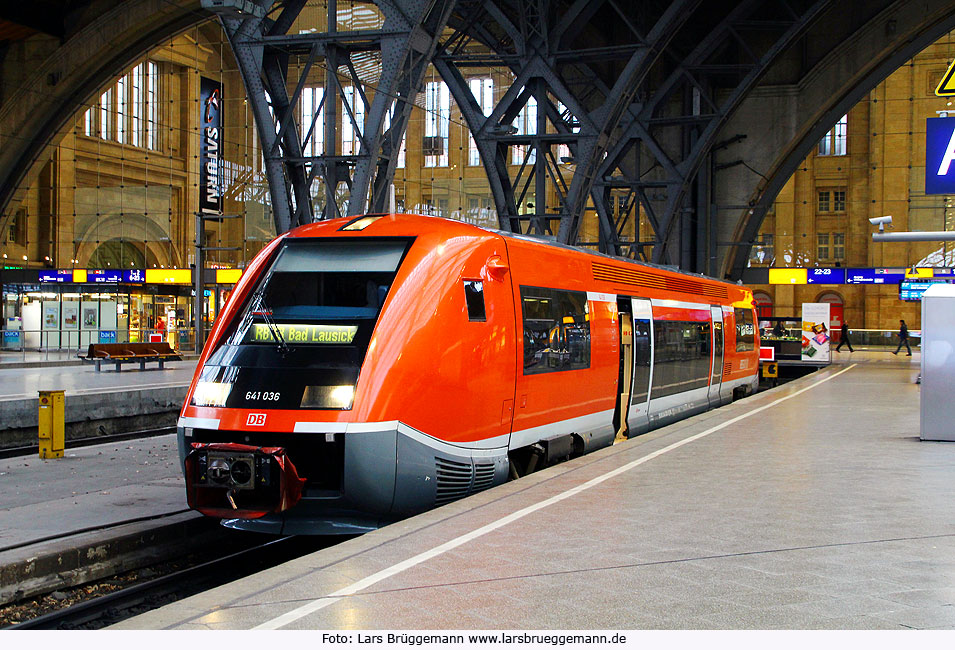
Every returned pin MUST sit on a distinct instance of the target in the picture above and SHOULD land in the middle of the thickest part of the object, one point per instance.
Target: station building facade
(871, 164)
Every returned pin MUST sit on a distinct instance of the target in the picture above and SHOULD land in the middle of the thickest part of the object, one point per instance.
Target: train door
(625, 377)
(716, 374)
(639, 420)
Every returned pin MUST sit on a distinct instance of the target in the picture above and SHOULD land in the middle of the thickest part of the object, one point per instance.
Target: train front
(291, 348)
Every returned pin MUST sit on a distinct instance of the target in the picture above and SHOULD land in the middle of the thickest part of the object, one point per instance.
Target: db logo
(255, 420)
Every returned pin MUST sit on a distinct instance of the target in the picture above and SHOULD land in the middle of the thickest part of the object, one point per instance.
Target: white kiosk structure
(938, 363)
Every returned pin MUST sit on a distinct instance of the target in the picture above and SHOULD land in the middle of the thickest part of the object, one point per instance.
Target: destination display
(299, 334)
(826, 276)
(875, 276)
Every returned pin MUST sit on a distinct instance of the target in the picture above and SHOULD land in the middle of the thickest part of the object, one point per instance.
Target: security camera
(881, 222)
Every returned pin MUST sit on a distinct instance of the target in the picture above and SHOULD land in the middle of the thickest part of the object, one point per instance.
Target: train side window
(745, 330)
(556, 330)
(474, 295)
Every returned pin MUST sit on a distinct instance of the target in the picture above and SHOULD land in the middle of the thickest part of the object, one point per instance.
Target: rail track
(111, 608)
(30, 450)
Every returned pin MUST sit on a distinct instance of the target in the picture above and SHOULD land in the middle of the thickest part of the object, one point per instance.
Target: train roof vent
(454, 480)
(689, 285)
(634, 277)
(640, 278)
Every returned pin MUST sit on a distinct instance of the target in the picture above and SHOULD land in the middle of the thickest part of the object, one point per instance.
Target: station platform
(810, 506)
(95, 401)
(68, 520)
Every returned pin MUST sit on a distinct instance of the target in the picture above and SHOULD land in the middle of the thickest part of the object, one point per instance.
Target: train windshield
(321, 292)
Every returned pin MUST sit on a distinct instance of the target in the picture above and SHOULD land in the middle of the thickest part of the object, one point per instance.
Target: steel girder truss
(663, 156)
(546, 45)
(637, 94)
(405, 42)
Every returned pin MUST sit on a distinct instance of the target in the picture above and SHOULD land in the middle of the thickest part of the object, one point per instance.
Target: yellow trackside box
(770, 369)
(52, 403)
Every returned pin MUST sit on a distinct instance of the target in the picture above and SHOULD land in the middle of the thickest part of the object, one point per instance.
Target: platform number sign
(940, 155)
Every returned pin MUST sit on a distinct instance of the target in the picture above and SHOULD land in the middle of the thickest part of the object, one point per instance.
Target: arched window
(764, 304)
(836, 307)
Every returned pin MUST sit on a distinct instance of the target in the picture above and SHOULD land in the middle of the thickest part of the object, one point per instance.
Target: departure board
(912, 290)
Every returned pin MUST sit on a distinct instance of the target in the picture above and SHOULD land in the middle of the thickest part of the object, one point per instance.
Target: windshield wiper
(267, 316)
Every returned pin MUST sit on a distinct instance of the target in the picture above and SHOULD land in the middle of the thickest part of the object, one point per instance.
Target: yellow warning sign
(947, 86)
(771, 369)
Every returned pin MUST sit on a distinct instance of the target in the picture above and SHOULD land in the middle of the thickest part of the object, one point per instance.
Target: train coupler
(232, 480)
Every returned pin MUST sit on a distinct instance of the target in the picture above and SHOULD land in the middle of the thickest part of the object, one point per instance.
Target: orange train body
(388, 364)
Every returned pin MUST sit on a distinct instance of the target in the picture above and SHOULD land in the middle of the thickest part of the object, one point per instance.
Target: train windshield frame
(322, 291)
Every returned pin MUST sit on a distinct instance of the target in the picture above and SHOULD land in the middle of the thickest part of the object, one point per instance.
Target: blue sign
(107, 336)
(11, 339)
(56, 276)
(134, 275)
(826, 276)
(874, 276)
(940, 155)
(101, 275)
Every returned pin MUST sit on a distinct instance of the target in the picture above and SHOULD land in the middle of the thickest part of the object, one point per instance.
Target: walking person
(844, 338)
(903, 338)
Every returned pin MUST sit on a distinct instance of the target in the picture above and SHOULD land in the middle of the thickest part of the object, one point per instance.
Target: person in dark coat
(903, 338)
(844, 338)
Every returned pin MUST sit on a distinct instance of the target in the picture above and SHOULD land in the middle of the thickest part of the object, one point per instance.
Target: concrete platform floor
(810, 506)
(90, 486)
(23, 383)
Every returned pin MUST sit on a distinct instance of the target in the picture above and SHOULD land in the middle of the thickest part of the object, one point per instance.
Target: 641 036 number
(263, 396)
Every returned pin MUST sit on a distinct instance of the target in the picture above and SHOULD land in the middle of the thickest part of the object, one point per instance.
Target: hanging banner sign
(210, 146)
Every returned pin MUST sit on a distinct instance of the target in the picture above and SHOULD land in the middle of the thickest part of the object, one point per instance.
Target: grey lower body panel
(388, 474)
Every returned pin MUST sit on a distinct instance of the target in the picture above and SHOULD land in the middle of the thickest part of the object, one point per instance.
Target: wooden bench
(120, 353)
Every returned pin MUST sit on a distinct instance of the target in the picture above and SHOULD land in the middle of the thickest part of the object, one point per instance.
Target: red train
(370, 368)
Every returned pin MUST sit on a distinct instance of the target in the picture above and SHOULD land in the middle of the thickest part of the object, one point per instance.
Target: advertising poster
(51, 317)
(71, 317)
(815, 332)
(210, 146)
(90, 320)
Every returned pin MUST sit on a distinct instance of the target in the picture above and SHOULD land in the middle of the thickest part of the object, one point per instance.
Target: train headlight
(328, 397)
(211, 393)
